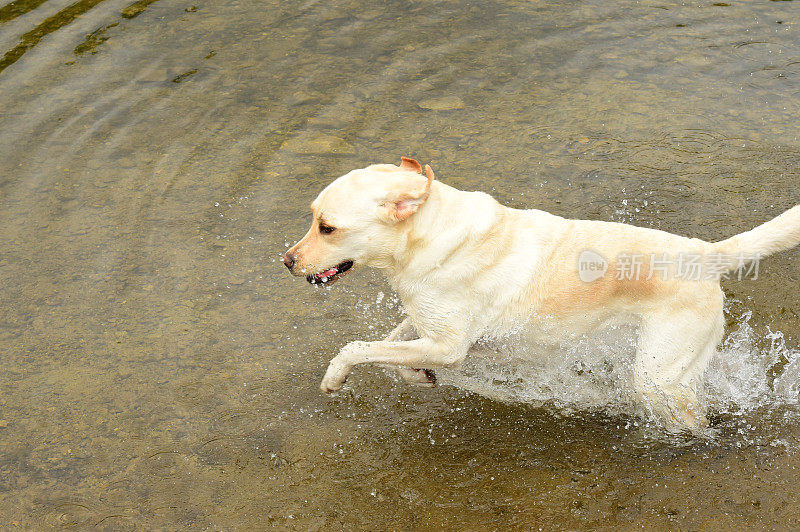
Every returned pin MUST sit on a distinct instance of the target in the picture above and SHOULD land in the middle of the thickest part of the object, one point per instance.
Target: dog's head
(358, 219)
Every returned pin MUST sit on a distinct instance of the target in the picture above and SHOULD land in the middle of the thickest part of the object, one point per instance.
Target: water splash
(744, 378)
(744, 382)
(593, 373)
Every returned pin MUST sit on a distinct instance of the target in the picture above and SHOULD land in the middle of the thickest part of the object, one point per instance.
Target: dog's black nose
(288, 260)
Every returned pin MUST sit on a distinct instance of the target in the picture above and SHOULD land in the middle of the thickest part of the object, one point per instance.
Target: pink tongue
(328, 273)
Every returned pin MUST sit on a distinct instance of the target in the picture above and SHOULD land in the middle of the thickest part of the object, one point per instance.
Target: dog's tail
(776, 235)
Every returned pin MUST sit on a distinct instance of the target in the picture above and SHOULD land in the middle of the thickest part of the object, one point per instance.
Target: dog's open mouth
(331, 274)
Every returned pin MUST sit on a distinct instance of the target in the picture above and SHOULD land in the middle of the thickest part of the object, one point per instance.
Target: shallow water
(160, 367)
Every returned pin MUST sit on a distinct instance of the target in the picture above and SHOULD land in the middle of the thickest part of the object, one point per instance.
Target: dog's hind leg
(673, 352)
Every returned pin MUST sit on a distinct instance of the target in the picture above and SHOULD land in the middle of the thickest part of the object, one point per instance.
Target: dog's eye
(326, 229)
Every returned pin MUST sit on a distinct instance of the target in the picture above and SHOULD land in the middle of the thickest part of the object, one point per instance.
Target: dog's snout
(288, 260)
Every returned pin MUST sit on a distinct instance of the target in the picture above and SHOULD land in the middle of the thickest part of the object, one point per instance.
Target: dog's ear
(407, 163)
(404, 203)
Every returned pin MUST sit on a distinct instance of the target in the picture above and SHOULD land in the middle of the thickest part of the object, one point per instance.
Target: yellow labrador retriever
(467, 268)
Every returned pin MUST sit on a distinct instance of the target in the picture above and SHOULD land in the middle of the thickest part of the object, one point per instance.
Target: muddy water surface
(159, 368)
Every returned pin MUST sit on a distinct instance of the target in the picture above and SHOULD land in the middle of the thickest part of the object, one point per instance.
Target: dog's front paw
(419, 377)
(430, 376)
(335, 377)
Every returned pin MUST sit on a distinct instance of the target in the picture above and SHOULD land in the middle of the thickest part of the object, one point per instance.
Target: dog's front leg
(419, 353)
(417, 376)
(404, 331)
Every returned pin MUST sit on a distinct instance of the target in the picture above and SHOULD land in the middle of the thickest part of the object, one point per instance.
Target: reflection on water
(160, 370)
